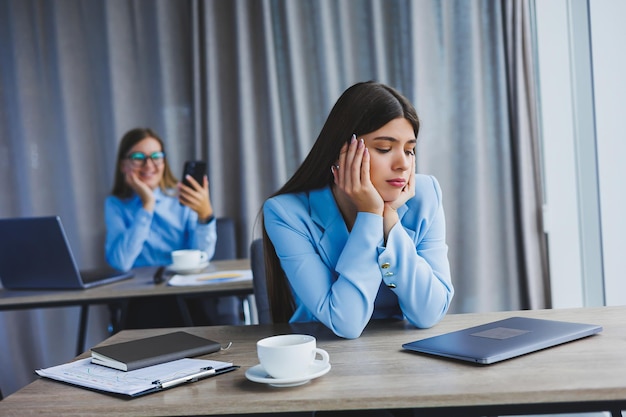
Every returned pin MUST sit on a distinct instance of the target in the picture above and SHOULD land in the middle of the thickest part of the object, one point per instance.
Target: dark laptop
(504, 339)
(35, 254)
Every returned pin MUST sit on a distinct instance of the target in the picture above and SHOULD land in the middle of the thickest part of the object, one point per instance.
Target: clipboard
(83, 373)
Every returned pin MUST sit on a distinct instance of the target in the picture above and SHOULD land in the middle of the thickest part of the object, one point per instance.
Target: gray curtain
(246, 85)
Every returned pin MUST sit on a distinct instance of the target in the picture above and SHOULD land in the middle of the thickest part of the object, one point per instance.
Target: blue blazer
(136, 237)
(343, 279)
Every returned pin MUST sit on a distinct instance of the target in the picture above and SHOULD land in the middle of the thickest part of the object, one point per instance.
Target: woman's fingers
(365, 165)
(341, 162)
(349, 164)
(411, 182)
(351, 172)
(353, 168)
(196, 196)
(357, 165)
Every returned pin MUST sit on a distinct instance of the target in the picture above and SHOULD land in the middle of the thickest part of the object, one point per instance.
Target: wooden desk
(118, 293)
(374, 372)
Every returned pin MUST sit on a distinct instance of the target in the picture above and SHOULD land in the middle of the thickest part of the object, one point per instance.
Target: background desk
(118, 293)
(373, 372)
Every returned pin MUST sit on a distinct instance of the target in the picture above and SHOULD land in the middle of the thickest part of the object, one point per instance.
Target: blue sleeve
(341, 300)
(203, 236)
(415, 260)
(124, 240)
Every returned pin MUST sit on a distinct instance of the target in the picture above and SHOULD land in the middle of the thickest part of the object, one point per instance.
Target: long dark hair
(120, 188)
(361, 109)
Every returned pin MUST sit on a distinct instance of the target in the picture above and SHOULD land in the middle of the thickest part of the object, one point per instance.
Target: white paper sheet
(84, 373)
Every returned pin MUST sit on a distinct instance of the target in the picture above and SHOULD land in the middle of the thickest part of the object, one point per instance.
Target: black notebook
(135, 354)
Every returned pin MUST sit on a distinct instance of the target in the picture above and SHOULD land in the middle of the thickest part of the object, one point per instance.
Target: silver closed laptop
(503, 339)
(35, 254)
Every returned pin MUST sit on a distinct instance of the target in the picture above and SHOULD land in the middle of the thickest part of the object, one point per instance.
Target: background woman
(148, 215)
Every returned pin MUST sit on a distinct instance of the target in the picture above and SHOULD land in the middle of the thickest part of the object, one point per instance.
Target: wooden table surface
(374, 372)
(141, 285)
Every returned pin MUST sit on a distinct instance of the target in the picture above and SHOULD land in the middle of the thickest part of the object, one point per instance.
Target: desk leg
(82, 329)
(184, 310)
(117, 316)
(250, 312)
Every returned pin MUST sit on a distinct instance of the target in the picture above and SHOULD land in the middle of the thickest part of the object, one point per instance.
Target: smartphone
(197, 169)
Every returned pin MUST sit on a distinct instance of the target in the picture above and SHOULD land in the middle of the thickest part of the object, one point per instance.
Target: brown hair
(120, 188)
(361, 109)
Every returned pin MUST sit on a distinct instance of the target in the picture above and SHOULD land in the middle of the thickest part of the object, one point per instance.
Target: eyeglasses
(140, 159)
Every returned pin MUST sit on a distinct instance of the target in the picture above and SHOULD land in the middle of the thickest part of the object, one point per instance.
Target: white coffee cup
(188, 258)
(289, 355)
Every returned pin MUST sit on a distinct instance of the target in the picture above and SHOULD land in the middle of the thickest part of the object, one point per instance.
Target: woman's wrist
(149, 205)
(206, 220)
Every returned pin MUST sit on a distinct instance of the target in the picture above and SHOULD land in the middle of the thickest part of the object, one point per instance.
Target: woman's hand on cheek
(353, 177)
(141, 188)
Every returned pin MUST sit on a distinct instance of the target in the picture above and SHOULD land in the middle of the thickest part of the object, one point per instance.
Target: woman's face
(392, 151)
(146, 160)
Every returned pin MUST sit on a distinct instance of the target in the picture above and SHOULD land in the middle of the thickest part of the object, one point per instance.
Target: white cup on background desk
(189, 258)
(290, 355)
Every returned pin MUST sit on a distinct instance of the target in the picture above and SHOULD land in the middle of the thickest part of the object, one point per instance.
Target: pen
(217, 276)
(159, 275)
(186, 378)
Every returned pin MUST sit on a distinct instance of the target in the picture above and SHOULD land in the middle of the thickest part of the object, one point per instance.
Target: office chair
(228, 309)
(258, 282)
(165, 311)
(226, 247)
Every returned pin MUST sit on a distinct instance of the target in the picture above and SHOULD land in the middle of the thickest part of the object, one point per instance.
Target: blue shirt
(136, 237)
(345, 278)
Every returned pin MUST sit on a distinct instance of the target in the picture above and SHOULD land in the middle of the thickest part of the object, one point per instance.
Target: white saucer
(258, 374)
(188, 270)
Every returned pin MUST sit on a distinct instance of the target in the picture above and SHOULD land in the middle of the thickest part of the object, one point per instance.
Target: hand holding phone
(196, 199)
(197, 170)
